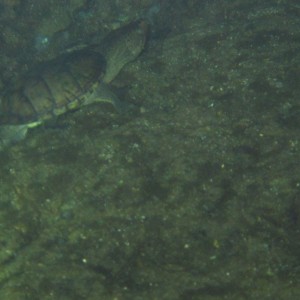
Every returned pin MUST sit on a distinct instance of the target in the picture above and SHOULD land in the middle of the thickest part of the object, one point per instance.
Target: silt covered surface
(192, 194)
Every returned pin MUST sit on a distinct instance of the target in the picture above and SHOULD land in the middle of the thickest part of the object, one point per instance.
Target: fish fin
(104, 94)
(11, 134)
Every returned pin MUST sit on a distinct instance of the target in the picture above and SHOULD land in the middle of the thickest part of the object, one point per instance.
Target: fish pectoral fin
(11, 134)
(104, 94)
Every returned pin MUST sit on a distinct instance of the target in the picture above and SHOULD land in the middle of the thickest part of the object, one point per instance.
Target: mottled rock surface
(194, 194)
